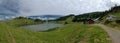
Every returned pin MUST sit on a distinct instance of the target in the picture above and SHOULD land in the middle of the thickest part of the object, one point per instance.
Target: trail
(114, 34)
(10, 36)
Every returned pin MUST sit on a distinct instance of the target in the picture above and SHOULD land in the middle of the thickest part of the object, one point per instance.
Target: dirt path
(114, 34)
(10, 37)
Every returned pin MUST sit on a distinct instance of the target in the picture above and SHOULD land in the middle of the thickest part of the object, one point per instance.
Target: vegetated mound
(21, 21)
(115, 11)
(65, 19)
(113, 17)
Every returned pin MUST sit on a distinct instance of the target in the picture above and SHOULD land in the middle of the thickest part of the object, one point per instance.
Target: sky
(64, 7)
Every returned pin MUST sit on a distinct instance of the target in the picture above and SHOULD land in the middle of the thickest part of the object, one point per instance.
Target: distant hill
(7, 16)
(115, 9)
(63, 18)
(80, 17)
(44, 17)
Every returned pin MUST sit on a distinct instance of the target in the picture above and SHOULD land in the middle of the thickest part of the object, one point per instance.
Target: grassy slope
(64, 19)
(20, 22)
(71, 33)
(117, 14)
(113, 24)
(69, 20)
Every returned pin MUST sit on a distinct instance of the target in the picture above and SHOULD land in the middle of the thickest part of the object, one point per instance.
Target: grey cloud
(9, 7)
(39, 7)
(63, 7)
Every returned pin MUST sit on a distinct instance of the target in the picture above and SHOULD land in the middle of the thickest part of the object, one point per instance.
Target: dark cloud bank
(54, 7)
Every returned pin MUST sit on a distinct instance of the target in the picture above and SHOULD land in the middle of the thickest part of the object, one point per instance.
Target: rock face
(8, 8)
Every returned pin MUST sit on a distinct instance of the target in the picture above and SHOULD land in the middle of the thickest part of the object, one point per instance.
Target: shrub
(118, 21)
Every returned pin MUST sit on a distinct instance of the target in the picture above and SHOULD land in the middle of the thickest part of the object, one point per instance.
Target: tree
(37, 20)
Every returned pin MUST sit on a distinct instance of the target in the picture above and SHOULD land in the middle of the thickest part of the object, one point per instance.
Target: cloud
(9, 7)
(116, 1)
(64, 7)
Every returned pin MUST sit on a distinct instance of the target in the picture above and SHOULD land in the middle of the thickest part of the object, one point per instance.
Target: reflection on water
(42, 27)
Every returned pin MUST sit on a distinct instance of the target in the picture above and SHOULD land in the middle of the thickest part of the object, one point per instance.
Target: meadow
(116, 23)
(10, 32)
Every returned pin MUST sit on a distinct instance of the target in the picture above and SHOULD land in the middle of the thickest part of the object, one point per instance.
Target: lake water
(42, 27)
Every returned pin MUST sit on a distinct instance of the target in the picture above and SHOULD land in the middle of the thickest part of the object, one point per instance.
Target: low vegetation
(115, 11)
(70, 33)
(116, 23)
(21, 21)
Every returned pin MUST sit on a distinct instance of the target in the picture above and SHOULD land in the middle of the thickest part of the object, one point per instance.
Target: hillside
(62, 35)
(82, 17)
(21, 21)
(44, 17)
(115, 11)
(10, 32)
(67, 19)
(97, 17)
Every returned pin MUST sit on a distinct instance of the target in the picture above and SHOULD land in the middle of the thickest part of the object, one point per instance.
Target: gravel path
(114, 34)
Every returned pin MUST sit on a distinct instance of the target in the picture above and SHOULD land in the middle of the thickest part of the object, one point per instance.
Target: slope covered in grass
(71, 33)
(116, 23)
(64, 19)
(117, 14)
(115, 11)
(21, 21)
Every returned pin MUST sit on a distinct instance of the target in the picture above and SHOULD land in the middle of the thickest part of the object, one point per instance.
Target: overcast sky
(64, 7)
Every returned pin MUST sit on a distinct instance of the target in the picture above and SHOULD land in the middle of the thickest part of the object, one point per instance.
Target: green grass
(21, 22)
(69, 20)
(70, 33)
(113, 24)
(117, 14)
